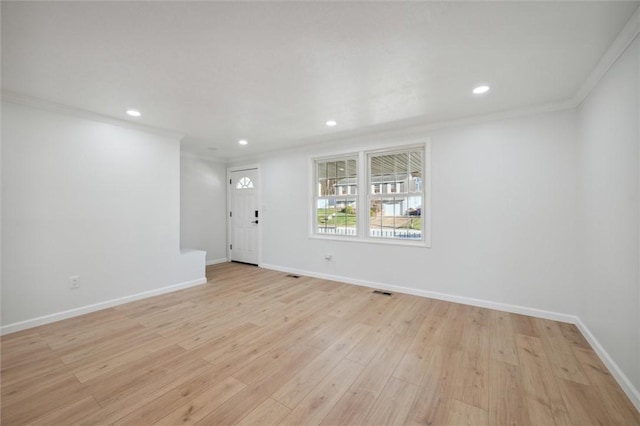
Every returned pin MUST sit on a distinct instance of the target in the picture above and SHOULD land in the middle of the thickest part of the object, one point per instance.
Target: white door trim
(261, 207)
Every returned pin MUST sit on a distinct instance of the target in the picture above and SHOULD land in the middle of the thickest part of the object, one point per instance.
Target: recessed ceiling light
(481, 89)
(133, 113)
(331, 123)
(242, 142)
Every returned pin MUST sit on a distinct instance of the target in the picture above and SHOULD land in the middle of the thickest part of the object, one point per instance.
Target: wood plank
(560, 353)
(16, 345)
(618, 407)
(166, 403)
(380, 337)
(101, 366)
(82, 322)
(270, 412)
(573, 336)
(253, 395)
(366, 389)
(143, 391)
(583, 404)
(44, 379)
(524, 325)
(418, 355)
(294, 391)
(502, 338)
(215, 335)
(33, 371)
(42, 402)
(453, 334)
(507, 401)
(143, 371)
(544, 401)
(200, 406)
(77, 337)
(315, 406)
(462, 414)
(110, 345)
(68, 414)
(473, 377)
(439, 381)
(392, 406)
(248, 361)
(325, 336)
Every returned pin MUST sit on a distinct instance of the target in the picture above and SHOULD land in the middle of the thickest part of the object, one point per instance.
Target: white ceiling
(274, 72)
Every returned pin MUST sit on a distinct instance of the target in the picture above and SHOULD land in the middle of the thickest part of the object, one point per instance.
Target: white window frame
(364, 185)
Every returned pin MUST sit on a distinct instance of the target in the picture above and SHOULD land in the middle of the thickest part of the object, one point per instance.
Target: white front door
(244, 216)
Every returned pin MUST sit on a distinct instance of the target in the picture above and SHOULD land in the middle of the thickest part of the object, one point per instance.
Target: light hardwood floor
(257, 347)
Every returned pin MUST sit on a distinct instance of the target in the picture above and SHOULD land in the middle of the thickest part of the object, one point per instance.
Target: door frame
(230, 170)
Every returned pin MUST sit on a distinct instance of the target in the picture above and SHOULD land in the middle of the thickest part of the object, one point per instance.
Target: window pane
(345, 217)
(324, 213)
(347, 186)
(337, 177)
(336, 216)
(352, 171)
(326, 187)
(415, 165)
(396, 173)
(396, 217)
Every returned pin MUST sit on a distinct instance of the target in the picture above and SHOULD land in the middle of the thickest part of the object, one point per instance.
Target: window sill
(420, 244)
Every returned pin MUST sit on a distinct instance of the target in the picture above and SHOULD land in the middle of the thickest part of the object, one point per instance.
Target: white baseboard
(615, 370)
(555, 316)
(216, 261)
(46, 319)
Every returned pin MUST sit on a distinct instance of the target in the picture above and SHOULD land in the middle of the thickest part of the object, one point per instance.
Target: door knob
(255, 221)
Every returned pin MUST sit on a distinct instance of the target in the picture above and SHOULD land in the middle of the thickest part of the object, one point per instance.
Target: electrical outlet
(74, 282)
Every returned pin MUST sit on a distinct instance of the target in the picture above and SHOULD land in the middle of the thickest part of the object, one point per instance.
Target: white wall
(609, 288)
(203, 207)
(504, 217)
(85, 198)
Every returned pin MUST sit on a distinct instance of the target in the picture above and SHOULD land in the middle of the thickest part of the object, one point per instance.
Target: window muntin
(396, 195)
(336, 196)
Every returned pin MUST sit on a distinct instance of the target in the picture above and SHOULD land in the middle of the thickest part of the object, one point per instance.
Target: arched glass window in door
(244, 183)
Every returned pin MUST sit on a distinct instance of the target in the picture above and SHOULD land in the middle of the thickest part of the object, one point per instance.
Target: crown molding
(21, 99)
(617, 48)
(195, 156)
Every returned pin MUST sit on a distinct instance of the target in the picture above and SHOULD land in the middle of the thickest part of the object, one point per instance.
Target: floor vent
(293, 276)
(382, 292)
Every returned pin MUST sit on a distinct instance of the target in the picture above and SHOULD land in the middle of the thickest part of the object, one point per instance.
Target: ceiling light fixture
(242, 142)
(133, 113)
(481, 89)
(331, 123)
